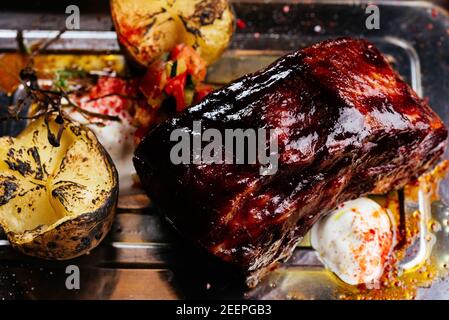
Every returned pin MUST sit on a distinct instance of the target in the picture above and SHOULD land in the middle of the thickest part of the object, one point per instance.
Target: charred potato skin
(72, 238)
(207, 13)
(76, 237)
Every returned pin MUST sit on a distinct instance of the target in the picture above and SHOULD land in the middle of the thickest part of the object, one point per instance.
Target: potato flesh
(16, 215)
(41, 184)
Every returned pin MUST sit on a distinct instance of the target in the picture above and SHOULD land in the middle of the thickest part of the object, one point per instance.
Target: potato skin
(75, 237)
(147, 29)
(72, 238)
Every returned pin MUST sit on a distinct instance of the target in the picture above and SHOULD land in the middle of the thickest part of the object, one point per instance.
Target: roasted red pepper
(175, 87)
(152, 84)
(195, 65)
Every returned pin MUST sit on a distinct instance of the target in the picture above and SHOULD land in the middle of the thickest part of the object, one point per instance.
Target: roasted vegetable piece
(149, 28)
(175, 88)
(56, 202)
(192, 62)
(174, 82)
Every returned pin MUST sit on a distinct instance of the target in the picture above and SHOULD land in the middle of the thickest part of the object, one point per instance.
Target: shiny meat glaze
(347, 125)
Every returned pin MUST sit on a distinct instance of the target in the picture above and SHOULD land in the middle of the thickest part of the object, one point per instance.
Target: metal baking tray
(142, 258)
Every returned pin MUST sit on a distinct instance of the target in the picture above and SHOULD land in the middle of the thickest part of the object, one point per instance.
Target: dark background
(49, 14)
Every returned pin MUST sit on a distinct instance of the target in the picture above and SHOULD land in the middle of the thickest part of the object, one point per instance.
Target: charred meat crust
(347, 126)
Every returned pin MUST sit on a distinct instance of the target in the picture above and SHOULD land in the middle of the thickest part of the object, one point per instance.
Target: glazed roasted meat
(347, 125)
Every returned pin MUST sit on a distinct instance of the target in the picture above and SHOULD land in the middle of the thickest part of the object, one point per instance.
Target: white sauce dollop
(355, 241)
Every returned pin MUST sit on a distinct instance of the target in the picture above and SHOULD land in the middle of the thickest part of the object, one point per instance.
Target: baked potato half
(149, 28)
(56, 202)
